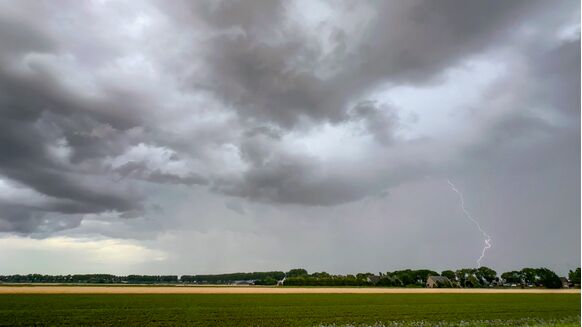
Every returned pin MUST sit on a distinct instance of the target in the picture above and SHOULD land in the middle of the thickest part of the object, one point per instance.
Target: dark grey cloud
(23, 38)
(36, 112)
(268, 68)
(277, 175)
(379, 120)
(543, 108)
(138, 170)
(559, 69)
(26, 220)
(27, 161)
(254, 17)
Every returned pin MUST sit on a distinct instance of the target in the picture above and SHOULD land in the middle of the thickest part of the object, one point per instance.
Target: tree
(467, 277)
(486, 274)
(574, 276)
(388, 281)
(364, 276)
(472, 282)
(410, 277)
(322, 274)
(266, 281)
(512, 277)
(297, 273)
(529, 276)
(449, 274)
(548, 278)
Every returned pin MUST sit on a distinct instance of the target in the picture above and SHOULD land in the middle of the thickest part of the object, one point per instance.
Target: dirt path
(255, 290)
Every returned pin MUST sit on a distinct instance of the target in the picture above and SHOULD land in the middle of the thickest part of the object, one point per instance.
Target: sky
(191, 137)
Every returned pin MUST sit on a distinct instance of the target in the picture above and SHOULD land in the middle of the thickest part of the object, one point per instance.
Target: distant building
(438, 281)
(565, 282)
(243, 282)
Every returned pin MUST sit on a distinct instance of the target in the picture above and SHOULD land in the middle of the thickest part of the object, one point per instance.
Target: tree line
(257, 278)
(263, 278)
(466, 277)
(90, 279)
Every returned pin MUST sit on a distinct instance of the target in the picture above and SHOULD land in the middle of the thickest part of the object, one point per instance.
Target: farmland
(289, 309)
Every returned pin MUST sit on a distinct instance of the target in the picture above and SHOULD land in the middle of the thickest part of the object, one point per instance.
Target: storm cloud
(228, 122)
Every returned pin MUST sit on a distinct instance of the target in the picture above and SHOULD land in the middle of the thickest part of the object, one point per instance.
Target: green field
(288, 309)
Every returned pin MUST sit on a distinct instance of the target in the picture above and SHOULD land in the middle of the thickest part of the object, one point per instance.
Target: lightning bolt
(468, 215)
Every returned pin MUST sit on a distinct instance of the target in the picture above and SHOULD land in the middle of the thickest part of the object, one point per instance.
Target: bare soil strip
(259, 290)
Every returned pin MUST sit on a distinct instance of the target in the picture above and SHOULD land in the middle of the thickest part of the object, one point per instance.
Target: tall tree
(529, 276)
(548, 278)
(512, 277)
(449, 274)
(465, 275)
(297, 273)
(486, 274)
(574, 276)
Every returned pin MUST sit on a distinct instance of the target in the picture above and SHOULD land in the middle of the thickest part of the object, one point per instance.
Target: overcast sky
(182, 137)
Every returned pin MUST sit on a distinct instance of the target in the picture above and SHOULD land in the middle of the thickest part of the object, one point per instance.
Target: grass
(290, 309)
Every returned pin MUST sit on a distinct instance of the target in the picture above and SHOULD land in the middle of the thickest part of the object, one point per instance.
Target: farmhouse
(243, 282)
(438, 281)
(565, 282)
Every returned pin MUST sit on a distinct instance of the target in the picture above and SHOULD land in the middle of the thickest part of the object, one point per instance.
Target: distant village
(482, 277)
